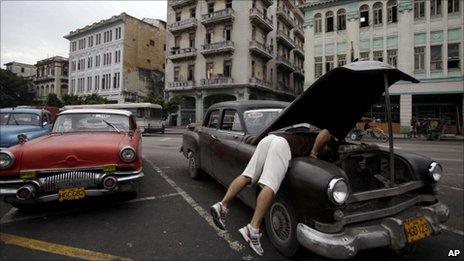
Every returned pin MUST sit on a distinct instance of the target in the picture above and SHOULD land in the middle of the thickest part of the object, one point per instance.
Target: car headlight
(127, 154)
(6, 159)
(337, 191)
(435, 171)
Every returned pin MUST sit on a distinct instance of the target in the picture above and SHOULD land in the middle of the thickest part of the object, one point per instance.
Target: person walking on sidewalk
(268, 167)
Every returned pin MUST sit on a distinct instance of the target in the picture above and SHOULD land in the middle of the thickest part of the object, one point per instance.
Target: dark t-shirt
(300, 145)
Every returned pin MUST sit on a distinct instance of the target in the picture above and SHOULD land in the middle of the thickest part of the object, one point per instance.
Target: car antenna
(390, 130)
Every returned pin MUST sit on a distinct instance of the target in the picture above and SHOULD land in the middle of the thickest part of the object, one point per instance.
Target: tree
(53, 100)
(169, 106)
(71, 99)
(95, 98)
(14, 90)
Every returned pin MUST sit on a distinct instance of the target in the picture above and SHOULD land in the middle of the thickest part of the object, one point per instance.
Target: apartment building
(21, 69)
(232, 50)
(121, 58)
(423, 38)
(51, 77)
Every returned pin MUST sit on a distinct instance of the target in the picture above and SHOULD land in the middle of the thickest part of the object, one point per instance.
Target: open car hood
(339, 98)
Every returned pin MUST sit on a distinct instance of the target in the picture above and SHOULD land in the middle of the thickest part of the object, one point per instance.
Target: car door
(207, 138)
(224, 149)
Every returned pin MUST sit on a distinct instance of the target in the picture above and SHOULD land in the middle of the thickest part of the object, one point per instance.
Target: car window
(20, 119)
(256, 120)
(91, 122)
(231, 121)
(213, 121)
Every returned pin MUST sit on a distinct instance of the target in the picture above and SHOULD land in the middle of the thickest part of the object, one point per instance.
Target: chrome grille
(71, 179)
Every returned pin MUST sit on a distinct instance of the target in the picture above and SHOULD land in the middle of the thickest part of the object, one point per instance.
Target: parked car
(334, 207)
(90, 152)
(14, 121)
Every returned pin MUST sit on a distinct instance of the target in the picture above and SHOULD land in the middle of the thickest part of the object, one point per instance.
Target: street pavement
(170, 217)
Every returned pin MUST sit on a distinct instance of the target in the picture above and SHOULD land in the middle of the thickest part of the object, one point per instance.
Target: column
(405, 36)
(199, 106)
(405, 111)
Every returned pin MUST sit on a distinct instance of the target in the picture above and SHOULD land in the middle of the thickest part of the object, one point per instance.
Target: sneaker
(219, 212)
(252, 238)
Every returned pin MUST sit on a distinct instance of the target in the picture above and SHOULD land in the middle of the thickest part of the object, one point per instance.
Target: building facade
(423, 38)
(232, 50)
(121, 58)
(51, 77)
(21, 69)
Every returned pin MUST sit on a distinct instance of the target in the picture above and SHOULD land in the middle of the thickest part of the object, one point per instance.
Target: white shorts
(269, 162)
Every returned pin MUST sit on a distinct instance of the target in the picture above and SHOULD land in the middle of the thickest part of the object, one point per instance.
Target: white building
(121, 58)
(422, 38)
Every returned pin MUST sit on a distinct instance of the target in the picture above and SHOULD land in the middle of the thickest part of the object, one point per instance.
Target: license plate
(416, 229)
(71, 193)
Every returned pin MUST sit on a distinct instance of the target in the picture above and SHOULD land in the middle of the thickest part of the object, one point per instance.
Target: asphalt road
(170, 218)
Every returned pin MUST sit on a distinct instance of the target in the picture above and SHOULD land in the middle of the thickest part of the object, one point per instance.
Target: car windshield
(256, 120)
(91, 122)
(19, 119)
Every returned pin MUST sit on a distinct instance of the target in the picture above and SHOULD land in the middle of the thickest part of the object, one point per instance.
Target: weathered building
(422, 38)
(121, 58)
(51, 77)
(232, 50)
(21, 69)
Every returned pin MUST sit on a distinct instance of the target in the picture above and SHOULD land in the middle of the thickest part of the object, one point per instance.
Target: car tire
(194, 171)
(353, 136)
(281, 225)
(384, 138)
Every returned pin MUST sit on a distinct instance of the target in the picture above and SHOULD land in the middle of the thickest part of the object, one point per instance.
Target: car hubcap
(280, 222)
(192, 164)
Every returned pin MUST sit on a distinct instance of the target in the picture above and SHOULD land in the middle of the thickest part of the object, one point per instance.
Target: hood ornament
(22, 138)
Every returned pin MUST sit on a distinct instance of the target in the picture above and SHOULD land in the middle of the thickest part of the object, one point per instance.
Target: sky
(34, 30)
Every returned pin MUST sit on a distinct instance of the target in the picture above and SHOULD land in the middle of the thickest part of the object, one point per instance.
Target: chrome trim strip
(385, 192)
(12, 181)
(7, 191)
(129, 178)
(130, 172)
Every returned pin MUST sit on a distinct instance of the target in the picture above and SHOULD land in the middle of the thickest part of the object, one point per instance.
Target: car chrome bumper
(389, 232)
(124, 180)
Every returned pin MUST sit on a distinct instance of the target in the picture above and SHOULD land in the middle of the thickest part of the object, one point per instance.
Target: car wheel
(281, 226)
(195, 173)
(384, 138)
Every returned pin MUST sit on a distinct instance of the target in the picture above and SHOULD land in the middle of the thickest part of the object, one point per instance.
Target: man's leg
(322, 139)
(274, 171)
(251, 173)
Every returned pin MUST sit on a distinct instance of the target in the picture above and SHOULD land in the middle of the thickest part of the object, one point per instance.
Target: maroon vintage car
(90, 152)
(362, 197)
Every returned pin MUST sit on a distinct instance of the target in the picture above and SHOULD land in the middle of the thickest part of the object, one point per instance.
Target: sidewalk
(175, 130)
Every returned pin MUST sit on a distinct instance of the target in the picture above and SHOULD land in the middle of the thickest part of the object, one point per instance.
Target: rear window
(257, 120)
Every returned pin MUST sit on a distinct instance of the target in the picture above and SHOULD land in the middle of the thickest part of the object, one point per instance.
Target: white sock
(253, 230)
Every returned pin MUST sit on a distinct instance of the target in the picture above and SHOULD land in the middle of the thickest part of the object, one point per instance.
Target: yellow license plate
(416, 229)
(71, 193)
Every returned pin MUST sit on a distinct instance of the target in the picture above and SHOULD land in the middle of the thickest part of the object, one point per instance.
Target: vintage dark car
(90, 152)
(358, 199)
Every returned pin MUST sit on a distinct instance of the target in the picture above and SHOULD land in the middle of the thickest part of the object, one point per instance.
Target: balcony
(284, 63)
(183, 25)
(181, 85)
(176, 4)
(299, 32)
(222, 16)
(285, 39)
(259, 19)
(225, 47)
(261, 50)
(217, 81)
(176, 53)
(284, 16)
(298, 71)
(260, 83)
(299, 50)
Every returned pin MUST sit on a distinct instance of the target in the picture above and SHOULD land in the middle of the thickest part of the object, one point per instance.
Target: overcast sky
(34, 30)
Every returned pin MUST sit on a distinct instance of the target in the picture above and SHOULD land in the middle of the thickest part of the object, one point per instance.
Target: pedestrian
(268, 167)
(413, 127)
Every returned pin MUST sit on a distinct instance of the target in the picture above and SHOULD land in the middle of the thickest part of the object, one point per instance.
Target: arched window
(341, 20)
(52, 88)
(329, 21)
(377, 10)
(392, 11)
(318, 23)
(364, 16)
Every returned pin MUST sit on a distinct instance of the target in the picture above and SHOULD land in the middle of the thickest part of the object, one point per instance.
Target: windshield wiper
(111, 125)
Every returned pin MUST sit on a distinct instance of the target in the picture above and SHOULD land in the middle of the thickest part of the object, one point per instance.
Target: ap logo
(454, 252)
